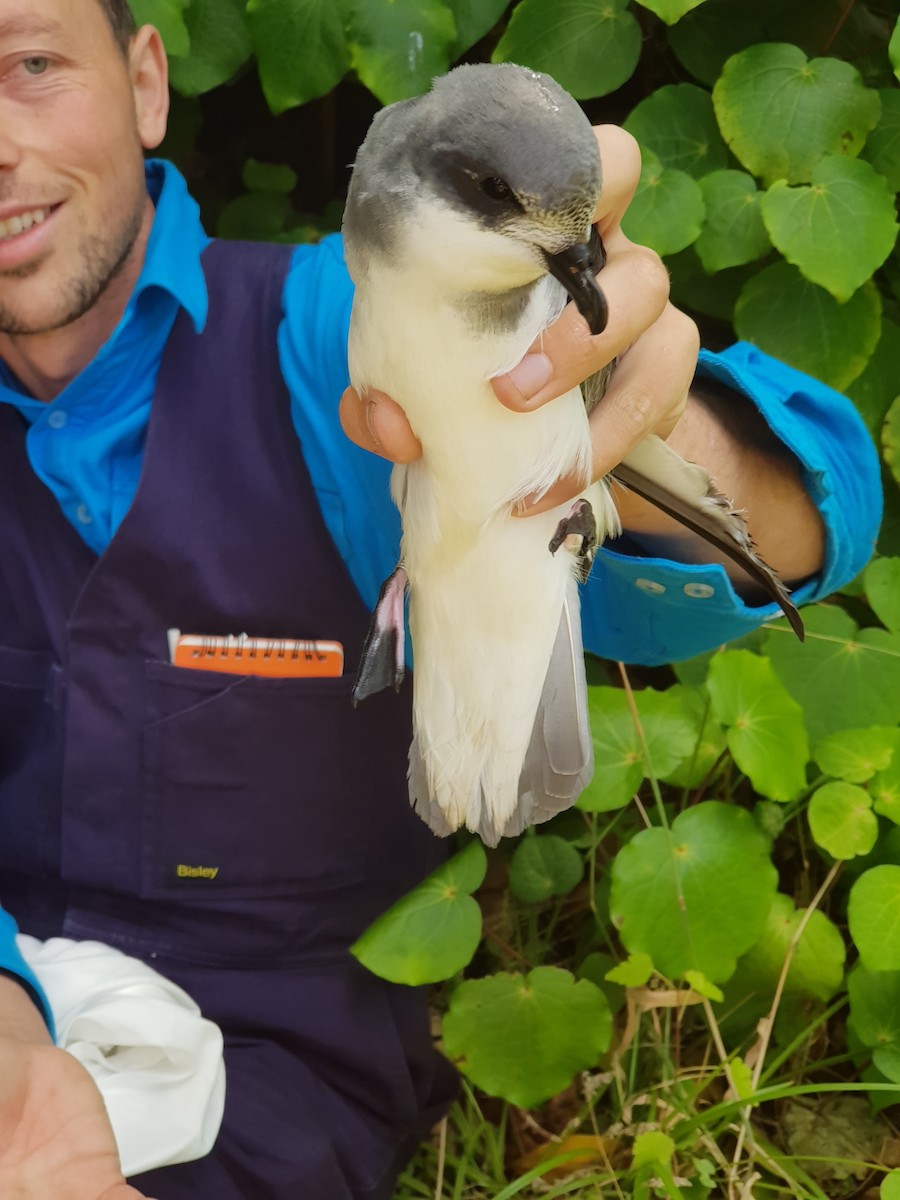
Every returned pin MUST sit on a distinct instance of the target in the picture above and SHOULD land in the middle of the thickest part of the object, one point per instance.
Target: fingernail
(531, 374)
(370, 422)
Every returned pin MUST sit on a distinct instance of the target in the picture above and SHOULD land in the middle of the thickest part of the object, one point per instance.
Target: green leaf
(712, 295)
(882, 148)
(219, 45)
(633, 972)
(734, 232)
(431, 932)
(882, 587)
(259, 216)
(678, 124)
(670, 11)
(702, 985)
(300, 48)
(268, 177)
(890, 439)
(854, 755)
(544, 866)
(838, 230)
(841, 820)
(873, 914)
(875, 1007)
(652, 1148)
(695, 896)
(890, 1186)
(667, 210)
(766, 734)
(843, 677)
(590, 49)
(523, 1037)
(709, 739)
(817, 965)
(885, 791)
(708, 36)
(781, 113)
(894, 49)
(800, 323)
(474, 18)
(670, 733)
(397, 49)
(168, 17)
(874, 391)
(743, 1078)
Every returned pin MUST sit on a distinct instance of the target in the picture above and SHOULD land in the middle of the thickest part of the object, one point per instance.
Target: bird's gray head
(499, 150)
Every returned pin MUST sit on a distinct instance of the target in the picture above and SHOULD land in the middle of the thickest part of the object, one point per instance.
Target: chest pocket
(30, 703)
(245, 787)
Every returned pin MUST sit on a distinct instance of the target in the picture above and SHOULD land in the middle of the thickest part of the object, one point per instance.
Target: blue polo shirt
(87, 446)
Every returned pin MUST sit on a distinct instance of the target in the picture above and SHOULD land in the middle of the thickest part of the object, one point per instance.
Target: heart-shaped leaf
(707, 37)
(523, 1037)
(733, 232)
(678, 124)
(589, 49)
(670, 11)
(670, 731)
(668, 887)
(766, 734)
(396, 49)
(474, 18)
(873, 913)
(219, 44)
(802, 324)
(841, 820)
(169, 18)
(843, 677)
(544, 866)
(855, 755)
(882, 587)
(883, 143)
(839, 229)
(781, 113)
(667, 210)
(890, 439)
(301, 49)
(431, 932)
(874, 391)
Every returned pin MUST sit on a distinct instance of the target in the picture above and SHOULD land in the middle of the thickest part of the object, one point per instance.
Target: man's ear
(149, 70)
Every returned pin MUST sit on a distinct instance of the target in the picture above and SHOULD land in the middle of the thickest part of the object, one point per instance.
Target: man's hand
(55, 1136)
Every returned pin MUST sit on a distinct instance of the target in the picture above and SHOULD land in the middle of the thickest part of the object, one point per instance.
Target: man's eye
(36, 65)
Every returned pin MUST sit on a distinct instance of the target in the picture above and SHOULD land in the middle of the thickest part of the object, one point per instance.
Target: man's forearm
(752, 469)
(20, 1018)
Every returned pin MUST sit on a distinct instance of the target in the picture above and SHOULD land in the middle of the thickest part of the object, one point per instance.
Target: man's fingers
(379, 424)
(620, 164)
(646, 394)
(648, 390)
(636, 285)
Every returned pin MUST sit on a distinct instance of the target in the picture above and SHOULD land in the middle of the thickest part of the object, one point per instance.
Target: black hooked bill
(574, 268)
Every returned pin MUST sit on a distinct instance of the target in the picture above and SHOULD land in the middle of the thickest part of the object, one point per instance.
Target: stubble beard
(102, 260)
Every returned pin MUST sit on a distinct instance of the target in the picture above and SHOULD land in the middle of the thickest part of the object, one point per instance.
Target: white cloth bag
(156, 1060)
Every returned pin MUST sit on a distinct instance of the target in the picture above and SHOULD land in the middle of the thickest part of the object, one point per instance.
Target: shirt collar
(177, 239)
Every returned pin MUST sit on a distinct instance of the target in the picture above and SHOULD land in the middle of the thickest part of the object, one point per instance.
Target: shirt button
(57, 419)
(650, 585)
(699, 591)
(83, 513)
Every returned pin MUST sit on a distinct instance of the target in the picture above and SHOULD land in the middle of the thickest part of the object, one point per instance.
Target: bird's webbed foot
(577, 531)
(382, 663)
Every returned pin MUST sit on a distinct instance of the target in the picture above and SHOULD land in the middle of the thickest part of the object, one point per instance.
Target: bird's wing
(687, 493)
(559, 763)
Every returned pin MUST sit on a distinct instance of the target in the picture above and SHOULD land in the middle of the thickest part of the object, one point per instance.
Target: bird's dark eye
(496, 189)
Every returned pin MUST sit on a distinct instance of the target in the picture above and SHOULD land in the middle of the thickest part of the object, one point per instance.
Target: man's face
(72, 194)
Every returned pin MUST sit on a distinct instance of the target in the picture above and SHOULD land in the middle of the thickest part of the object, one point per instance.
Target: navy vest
(117, 769)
